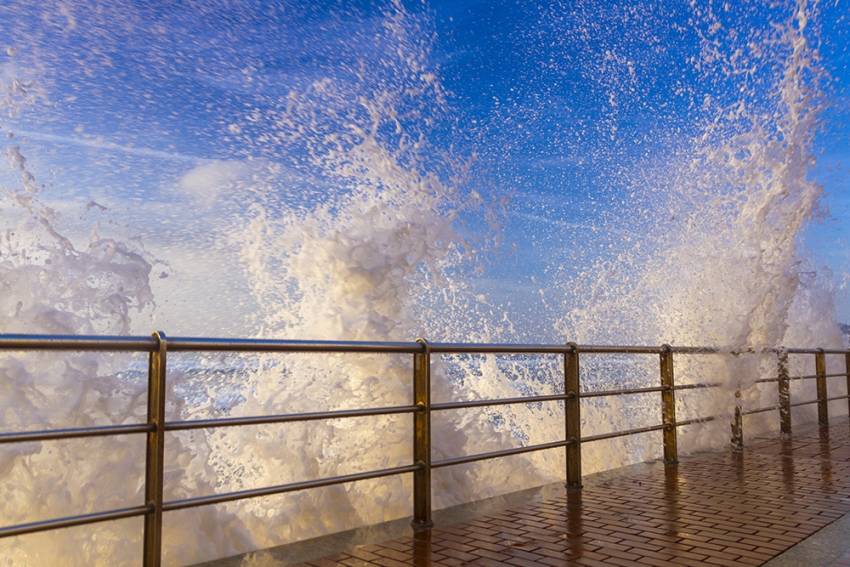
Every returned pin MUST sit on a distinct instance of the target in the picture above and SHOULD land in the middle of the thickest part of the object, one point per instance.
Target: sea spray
(361, 267)
(377, 249)
(55, 286)
(720, 263)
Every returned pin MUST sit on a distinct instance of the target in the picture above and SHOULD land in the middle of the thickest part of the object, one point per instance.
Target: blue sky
(540, 76)
(564, 108)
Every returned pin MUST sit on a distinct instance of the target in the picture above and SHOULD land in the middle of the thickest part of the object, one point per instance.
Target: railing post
(738, 425)
(422, 438)
(847, 373)
(154, 466)
(784, 396)
(823, 405)
(572, 417)
(668, 406)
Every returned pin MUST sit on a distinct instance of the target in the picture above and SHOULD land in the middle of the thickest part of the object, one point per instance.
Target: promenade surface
(714, 508)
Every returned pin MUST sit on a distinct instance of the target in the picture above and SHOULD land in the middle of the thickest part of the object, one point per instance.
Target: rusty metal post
(823, 404)
(154, 465)
(737, 425)
(422, 438)
(668, 406)
(572, 417)
(784, 386)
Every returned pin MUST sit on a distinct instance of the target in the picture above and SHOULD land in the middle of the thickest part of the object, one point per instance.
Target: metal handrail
(196, 501)
(70, 521)
(807, 377)
(285, 418)
(497, 402)
(697, 386)
(203, 344)
(74, 433)
(500, 453)
(633, 431)
(779, 406)
(815, 376)
(421, 409)
(621, 392)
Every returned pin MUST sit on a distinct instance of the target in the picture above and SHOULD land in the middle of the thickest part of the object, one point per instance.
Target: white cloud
(206, 182)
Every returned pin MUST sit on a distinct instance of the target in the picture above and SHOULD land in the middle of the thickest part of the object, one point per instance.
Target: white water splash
(382, 256)
(721, 263)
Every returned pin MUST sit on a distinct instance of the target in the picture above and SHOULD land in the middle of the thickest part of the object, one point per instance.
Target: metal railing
(155, 427)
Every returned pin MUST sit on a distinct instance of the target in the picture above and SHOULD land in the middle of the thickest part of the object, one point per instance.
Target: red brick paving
(710, 509)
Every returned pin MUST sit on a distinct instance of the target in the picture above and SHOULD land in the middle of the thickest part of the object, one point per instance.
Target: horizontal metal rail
(779, 406)
(196, 501)
(626, 391)
(761, 410)
(808, 377)
(285, 418)
(70, 521)
(621, 392)
(556, 444)
(795, 404)
(553, 397)
(500, 453)
(615, 434)
(76, 342)
(508, 348)
(696, 420)
(497, 402)
(74, 433)
(197, 344)
(202, 344)
(697, 386)
(810, 350)
(814, 376)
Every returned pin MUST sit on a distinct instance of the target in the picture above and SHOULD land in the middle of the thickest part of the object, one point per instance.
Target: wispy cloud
(596, 229)
(554, 222)
(101, 144)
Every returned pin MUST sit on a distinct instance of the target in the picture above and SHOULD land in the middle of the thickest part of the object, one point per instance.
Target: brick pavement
(710, 509)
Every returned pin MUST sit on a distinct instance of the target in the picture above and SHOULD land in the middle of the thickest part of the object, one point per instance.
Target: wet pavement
(714, 508)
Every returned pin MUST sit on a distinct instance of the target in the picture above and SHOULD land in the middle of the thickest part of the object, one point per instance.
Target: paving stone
(710, 509)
